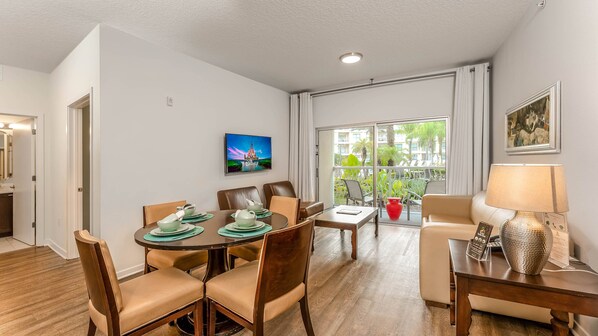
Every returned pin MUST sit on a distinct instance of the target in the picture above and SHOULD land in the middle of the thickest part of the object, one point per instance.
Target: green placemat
(224, 232)
(197, 230)
(198, 220)
(260, 216)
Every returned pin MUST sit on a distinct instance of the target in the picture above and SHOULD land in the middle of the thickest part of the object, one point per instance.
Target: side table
(561, 292)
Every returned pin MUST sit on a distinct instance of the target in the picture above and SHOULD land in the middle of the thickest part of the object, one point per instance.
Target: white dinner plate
(184, 228)
(235, 228)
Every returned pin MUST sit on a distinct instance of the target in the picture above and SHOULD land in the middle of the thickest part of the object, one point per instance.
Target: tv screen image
(247, 153)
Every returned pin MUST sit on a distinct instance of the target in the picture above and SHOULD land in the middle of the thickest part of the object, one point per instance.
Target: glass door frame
(375, 127)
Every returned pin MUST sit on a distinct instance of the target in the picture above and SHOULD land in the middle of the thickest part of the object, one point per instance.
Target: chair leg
(231, 261)
(198, 318)
(91, 329)
(212, 318)
(305, 315)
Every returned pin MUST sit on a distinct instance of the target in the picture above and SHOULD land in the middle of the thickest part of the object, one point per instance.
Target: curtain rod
(450, 72)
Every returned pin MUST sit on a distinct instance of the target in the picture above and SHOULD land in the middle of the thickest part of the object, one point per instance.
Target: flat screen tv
(247, 153)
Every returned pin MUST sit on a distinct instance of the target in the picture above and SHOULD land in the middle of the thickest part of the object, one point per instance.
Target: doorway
(390, 159)
(17, 182)
(79, 186)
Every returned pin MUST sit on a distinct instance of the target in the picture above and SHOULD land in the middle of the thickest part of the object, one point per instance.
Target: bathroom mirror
(5, 155)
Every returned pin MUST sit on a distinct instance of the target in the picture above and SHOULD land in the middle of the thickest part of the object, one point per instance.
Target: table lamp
(527, 189)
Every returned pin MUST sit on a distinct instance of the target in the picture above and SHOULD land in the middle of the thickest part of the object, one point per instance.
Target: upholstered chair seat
(242, 300)
(150, 297)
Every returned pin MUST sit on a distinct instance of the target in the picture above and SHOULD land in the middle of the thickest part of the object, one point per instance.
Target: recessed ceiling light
(352, 57)
(12, 125)
(1, 125)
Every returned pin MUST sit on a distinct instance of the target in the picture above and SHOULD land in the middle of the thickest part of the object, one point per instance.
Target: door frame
(73, 203)
(39, 185)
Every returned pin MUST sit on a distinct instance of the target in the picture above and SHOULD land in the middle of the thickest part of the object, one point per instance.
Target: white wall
(404, 101)
(151, 153)
(558, 43)
(71, 80)
(27, 93)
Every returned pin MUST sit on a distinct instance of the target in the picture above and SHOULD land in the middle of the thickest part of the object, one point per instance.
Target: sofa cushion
(434, 218)
(480, 212)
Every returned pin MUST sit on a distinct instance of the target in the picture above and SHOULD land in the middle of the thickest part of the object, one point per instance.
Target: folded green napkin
(226, 233)
(198, 219)
(197, 230)
(259, 216)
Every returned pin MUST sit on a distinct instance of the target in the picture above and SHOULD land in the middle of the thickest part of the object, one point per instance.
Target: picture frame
(534, 126)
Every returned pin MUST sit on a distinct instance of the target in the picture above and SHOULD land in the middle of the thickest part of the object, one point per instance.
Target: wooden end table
(561, 292)
(332, 219)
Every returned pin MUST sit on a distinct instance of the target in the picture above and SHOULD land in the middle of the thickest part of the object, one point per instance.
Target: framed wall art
(533, 127)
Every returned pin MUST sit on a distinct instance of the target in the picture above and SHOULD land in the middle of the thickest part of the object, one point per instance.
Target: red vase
(394, 208)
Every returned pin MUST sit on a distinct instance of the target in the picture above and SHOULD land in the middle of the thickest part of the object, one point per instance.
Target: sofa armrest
(459, 206)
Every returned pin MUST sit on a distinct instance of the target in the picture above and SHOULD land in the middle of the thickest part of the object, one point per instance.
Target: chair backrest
(282, 188)
(155, 212)
(232, 199)
(354, 189)
(284, 262)
(287, 206)
(435, 187)
(100, 277)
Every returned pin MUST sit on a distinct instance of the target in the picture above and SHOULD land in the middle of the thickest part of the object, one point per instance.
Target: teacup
(188, 208)
(244, 218)
(169, 224)
(256, 206)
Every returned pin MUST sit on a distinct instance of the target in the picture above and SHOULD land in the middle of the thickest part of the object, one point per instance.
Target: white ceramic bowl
(167, 225)
(255, 207)
(189, 210)
(245, 222)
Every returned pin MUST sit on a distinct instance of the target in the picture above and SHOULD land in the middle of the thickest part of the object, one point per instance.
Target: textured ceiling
(289, 44)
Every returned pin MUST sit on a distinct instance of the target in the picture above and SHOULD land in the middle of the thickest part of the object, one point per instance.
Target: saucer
(236, 228)
(184, 228)
(196, 214)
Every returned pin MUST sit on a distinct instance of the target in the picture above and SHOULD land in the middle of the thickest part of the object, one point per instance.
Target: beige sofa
(445, 217)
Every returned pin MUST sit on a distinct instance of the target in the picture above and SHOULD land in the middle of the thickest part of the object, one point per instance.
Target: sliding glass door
(366, 165)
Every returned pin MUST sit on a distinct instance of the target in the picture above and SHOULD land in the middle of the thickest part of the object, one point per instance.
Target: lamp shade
(526, 187)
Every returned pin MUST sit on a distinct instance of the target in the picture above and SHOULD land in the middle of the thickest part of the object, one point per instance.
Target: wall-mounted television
(247, 153)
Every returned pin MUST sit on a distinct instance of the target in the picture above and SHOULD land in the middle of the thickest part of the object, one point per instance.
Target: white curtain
(302, 167)
(469, 151)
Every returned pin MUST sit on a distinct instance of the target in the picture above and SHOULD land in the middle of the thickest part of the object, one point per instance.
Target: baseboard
(130, 271)
(578, 330)
(56, 248)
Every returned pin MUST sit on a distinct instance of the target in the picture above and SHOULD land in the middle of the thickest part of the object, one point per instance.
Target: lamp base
(526, 243)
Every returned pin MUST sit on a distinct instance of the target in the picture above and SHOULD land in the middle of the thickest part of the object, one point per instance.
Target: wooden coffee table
(332, 219)
(561, 292)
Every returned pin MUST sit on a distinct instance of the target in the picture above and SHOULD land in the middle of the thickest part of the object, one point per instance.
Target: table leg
(354, 242)
(560, 323)
(463, 307)
(452, 294)
(376, 223)
(224, 326)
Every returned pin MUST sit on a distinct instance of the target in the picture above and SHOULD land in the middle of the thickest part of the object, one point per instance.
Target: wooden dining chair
(138, 305)
(257, 292)
(158, 259)
(287, 206)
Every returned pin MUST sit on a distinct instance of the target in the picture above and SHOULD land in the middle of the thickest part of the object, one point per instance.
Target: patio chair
(432, 187)
(356, 195)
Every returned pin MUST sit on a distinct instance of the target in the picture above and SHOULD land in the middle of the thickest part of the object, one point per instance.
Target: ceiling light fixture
(1, 125)
(352, 57)
(12, 126)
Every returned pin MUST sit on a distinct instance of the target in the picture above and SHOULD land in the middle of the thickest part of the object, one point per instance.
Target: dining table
(216, 245)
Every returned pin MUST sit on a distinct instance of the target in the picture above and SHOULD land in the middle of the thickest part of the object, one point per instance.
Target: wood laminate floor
(42, 294)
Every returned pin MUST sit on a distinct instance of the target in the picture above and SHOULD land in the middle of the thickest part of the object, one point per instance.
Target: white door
(24, 193)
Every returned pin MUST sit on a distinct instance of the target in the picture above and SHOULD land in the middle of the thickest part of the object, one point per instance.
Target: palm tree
(440, 127)
(409, 130)
(362, 147)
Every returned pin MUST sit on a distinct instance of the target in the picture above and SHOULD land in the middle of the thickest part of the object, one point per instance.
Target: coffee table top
(496, 269)
(332, 215)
